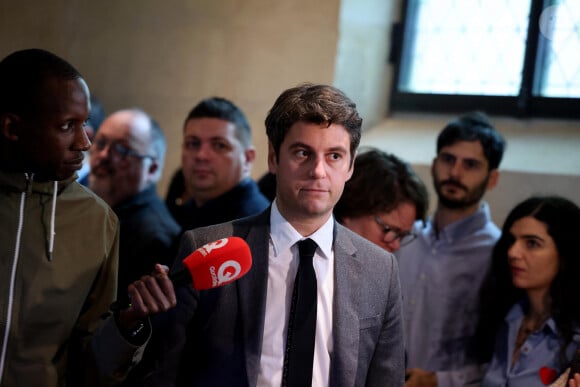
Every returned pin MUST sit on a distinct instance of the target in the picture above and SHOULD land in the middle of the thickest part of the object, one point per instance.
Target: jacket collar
(21, 182)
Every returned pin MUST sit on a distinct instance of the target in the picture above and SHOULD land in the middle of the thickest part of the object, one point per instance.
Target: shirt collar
(461, 228)
(517, 313)
(284, 235)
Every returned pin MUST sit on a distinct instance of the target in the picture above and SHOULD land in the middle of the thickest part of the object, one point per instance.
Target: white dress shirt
(282, 267)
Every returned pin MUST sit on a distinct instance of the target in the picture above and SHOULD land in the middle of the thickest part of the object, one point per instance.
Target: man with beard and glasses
(442, 271)
(126, 163)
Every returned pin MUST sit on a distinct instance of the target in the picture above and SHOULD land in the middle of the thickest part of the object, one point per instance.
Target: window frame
(524, 105)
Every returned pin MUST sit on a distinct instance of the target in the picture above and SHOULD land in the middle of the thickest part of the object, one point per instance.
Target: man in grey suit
(236, 335)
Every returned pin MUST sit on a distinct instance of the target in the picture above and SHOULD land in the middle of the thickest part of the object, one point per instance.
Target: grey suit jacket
(214, 337)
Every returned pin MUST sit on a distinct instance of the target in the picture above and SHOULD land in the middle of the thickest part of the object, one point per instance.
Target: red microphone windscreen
(219, 263)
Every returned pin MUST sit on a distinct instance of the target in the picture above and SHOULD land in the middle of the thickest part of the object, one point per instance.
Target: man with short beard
(441, 272)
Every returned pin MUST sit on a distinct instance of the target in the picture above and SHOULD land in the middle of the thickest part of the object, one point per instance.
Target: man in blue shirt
(441, 272)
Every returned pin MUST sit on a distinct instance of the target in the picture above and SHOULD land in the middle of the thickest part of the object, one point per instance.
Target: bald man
(126, 163)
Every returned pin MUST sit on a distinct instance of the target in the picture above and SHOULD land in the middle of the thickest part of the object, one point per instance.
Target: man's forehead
(54, 84)
(208, 137)
(312, 131)
(58, 95)
(209, 123)
(465, 149)
(127, 127)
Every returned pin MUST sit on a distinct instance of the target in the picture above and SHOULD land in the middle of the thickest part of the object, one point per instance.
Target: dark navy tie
(299, 354)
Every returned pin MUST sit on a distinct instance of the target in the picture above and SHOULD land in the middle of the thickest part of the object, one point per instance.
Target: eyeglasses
(393, 233)
(118, 149)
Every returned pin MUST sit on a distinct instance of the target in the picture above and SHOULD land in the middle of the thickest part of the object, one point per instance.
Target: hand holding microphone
(212, 265)
(149, 295)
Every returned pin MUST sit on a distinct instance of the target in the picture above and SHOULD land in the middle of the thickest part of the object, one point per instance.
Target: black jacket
(149, 235)
(243, 200)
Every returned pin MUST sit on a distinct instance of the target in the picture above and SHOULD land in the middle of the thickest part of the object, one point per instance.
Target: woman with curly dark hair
(530, 302)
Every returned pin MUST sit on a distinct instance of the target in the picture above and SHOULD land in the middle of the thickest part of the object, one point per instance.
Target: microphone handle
(181, 278)
(121, 303)
(575, 365)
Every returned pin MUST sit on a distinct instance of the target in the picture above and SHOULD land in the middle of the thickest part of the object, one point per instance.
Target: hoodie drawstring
(52, 217)
(12, 284)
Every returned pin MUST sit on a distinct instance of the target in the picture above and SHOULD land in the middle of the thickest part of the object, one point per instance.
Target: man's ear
(433, 166)
(154, 166)
(493, 179)
(9, 126)
(154, 171)
(272, 159)
(249, 157)
(351, 168)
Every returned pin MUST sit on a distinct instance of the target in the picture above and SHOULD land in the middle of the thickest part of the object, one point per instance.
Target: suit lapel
(345, 328)
(252, 290)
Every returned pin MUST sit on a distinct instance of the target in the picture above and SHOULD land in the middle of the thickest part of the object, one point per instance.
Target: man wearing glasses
(442, 271)
(126, 163)
(382, 200)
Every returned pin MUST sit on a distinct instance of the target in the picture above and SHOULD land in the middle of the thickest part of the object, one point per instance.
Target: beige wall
(362, 70)
(164, 56)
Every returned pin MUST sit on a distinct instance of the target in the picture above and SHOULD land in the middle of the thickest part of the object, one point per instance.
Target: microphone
(212, 265)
